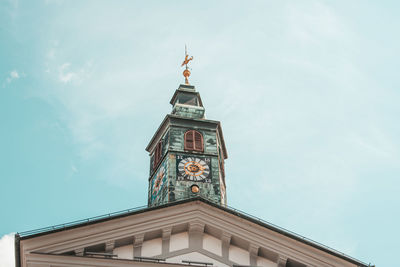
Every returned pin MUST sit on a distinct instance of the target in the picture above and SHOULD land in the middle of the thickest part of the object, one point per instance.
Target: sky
(307, 93)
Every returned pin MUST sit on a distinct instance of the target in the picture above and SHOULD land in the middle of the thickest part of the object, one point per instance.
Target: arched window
(193, 140)
(157, 155)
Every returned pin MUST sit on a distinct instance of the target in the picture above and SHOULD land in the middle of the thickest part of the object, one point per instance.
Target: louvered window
(193, 140)
(157, 155)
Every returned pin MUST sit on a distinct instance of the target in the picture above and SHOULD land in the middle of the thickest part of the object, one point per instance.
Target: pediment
(191, 231)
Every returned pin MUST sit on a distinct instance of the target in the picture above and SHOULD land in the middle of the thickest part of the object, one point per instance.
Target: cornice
(196, 212)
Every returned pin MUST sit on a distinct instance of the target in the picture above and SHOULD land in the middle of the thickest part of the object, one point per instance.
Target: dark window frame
(157, 154)
(194, 141)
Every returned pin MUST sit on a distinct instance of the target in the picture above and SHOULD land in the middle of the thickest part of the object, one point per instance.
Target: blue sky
(307, 93)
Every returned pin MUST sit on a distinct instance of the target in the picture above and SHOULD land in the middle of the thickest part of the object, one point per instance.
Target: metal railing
(197, 263)
(148, 259)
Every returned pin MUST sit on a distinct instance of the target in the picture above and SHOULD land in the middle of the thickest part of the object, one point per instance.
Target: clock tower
(187, 152)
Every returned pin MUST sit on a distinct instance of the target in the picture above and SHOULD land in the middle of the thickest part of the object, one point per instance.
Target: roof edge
(233, 211)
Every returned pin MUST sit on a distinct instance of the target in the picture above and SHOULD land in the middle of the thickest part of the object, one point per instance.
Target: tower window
(157, 154)
(193, 140)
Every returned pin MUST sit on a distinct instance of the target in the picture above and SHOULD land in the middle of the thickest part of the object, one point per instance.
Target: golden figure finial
(186, 72)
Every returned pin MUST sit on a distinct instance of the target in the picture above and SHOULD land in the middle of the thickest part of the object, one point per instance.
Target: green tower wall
(165, 184)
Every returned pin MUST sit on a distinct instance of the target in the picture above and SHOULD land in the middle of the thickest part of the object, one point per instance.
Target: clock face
(193, 168)
(158, 183)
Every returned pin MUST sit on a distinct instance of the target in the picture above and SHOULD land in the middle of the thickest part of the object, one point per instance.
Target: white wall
(151, 248)
(195, 256)
(265, 263)
(212, 244)
(179, 241)
(124, 252)
(239, 256)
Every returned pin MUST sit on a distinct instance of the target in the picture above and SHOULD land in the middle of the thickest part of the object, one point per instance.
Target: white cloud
(13, 76)
(66, 75)
(7, 252)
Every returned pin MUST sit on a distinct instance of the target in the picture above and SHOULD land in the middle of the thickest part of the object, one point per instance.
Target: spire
(186, 72)
(187, 152)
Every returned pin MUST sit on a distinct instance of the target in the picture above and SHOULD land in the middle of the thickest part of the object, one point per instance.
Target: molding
(79, 251)
(253, 251)
(110, 246)
(166, 236)
(196, 230)
(196, 227)
(174, 151)
(138, 240)
(137, 245)
(85, 261)
(196, 214)
(158, 134)
(210, 130)
(282, 260)
(201, 251)
(226, 238)
(121, 228)
(170, 120)
(166, 233)
(226, 242)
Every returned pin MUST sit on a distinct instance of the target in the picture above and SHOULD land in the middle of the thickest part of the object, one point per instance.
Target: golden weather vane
(186, 72)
